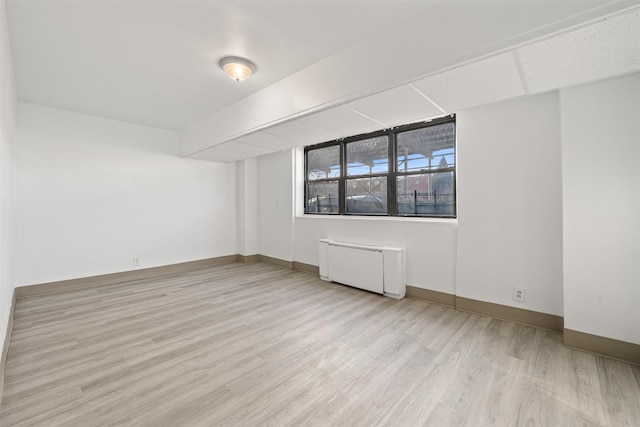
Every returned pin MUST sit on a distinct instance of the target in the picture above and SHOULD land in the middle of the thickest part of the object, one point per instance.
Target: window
(405, 171)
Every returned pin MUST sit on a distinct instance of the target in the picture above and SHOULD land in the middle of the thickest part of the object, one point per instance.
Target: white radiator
(374, 268)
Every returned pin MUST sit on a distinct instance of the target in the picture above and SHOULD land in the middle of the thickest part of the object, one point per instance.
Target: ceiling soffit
(597, 50)
(601, 48)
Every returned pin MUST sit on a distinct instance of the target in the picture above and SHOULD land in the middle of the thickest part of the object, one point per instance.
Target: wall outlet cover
(519, 294)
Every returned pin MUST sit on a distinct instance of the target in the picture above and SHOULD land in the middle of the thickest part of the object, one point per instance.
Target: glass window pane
(322, 197)
(323, 162)
(426, 194)
(367, 195)
(368, 156)
(426, 149)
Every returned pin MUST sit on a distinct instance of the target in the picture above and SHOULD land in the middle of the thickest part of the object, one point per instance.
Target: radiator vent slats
(377, 269)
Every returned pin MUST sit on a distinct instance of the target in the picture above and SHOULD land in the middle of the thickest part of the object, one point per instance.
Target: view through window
(405, 171)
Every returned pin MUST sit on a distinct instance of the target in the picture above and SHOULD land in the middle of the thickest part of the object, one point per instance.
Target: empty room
(320, 213)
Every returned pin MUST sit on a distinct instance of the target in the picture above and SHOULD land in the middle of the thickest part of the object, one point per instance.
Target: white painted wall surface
(8, 102)
(247, 206)
(601, 187)
(93, 193)
(430, 245)
(275, 205)
(511, 235)
(510, 203)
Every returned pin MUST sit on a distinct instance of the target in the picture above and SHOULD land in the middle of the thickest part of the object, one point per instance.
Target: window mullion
(392, 208)
(342, 186)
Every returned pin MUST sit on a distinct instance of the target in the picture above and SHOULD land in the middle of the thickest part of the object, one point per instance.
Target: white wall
(509, 227)
(94, 193)
(601, 185)
(275, 205)
(549, 200)
(7, 172)
(430, 245)
(510, 203)
(247, 206)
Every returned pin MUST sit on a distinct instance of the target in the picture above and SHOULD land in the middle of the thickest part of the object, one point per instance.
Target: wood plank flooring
(258, 345)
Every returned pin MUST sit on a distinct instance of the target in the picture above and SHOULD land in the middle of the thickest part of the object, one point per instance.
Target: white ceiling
(156, 62)
(326, 69)
(606, 47)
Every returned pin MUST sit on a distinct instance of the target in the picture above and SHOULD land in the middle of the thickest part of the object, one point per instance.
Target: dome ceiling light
(237, 68)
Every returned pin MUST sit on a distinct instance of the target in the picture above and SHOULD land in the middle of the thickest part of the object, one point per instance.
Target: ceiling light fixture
(237, 68)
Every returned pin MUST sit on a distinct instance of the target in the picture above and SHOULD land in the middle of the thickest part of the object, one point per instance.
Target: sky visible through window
(413, 162)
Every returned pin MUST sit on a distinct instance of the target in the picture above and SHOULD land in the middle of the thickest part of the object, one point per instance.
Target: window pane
(426, 194)
(367, 195)
(323, 162)
(426, 149)
(322, 197)
(368, 156)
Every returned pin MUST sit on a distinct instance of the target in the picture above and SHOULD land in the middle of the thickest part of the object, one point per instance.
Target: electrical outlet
(136, 261)
(519, 294)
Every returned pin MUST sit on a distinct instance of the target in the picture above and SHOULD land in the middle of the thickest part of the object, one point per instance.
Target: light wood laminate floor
(258, 345)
